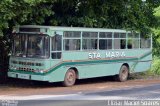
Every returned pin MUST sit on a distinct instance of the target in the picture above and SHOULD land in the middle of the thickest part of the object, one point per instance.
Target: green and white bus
(64, 54)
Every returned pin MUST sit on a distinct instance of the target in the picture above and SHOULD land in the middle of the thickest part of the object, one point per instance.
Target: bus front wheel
(123, 73)
(70, 78)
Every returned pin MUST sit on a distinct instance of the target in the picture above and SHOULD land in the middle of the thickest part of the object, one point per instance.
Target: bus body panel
(96, 68)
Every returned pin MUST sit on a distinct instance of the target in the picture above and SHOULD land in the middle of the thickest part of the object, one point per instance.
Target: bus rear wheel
(123, 73)
(70, 78)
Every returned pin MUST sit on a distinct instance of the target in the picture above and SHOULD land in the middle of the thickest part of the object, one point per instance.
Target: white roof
(61, 28)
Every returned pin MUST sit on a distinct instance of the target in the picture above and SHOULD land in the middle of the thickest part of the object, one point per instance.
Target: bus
(65, 54)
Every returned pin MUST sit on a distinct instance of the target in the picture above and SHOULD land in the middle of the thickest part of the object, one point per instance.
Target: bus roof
(61, 28)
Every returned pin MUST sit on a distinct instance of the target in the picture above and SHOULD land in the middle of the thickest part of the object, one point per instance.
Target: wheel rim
(124, 74)
(70, 77)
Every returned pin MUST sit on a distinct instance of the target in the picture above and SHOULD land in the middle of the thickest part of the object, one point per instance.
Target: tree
(156, 32)
(122, 14)
(15, 12)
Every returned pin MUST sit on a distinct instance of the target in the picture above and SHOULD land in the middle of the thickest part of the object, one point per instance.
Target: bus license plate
(23, 76)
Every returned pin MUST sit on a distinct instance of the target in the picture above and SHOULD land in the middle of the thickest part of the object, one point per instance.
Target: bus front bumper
(28, 76)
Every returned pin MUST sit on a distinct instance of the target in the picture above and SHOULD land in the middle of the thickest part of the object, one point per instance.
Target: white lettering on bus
(115, 54)
(94, 55)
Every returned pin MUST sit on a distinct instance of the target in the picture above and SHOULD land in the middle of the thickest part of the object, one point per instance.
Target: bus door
(56, 48)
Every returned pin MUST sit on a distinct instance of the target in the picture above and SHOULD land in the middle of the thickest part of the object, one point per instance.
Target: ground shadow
(20, 83)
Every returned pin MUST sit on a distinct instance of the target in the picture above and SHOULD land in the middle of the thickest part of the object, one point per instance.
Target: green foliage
(156, 65)
(156, 43)
(124, 14)
(156, 32)
(15, 12)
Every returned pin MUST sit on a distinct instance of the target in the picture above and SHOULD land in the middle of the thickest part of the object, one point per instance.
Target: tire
(70, 78)
(123, 73)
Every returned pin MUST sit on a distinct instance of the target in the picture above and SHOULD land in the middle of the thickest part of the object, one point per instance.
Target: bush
(156, 65)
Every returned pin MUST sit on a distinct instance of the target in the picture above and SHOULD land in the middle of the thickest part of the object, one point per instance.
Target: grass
(149, 74)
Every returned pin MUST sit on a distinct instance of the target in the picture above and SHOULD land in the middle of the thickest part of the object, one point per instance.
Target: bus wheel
(70, 78)
(123, 73)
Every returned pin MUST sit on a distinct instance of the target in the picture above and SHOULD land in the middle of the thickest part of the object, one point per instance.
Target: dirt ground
(24, 87)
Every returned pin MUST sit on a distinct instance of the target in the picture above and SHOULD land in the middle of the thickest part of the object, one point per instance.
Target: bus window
(105, 40)
(71, 34)
(56, 55)
(145, 43)
(129, 44)
(133, 41)
(72, 44)
(123, 40)
(123, 43)
(129, 41)
(89, 40)
(105, 35)
(119, 40)
(116, 43)
(56, 46)
(37, 46)
(56, 43)
(72, 40)
(19, 45)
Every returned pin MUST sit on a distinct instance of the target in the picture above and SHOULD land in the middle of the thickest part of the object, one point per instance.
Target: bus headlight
(39, 71)
(12, 68)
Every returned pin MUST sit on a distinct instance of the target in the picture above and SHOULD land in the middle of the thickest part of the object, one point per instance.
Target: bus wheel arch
(70, 77)
(123, 73)
(127, 65)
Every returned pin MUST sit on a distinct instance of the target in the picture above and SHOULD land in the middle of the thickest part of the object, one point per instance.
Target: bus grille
(27, 63)
(26, 69)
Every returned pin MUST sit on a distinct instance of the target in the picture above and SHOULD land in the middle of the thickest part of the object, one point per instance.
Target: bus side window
(123, 43)
(117, 41)
(145, 43)
(129, 45)
(72, 40)
(90, 40)
(129, 41)
(56, 47)
(133, 41)
(56, 43)
(105, 40)
(56, 55)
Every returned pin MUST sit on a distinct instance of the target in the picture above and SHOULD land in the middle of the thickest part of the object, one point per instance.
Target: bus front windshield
(31, 45)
